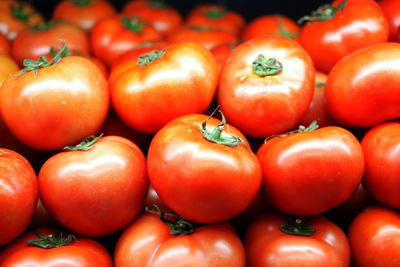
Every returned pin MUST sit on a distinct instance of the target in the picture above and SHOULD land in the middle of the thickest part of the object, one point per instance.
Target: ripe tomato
(320, 244)
(5, 47)
(83, 13)
(266, 85)
(267, 24)
(15, 17)
(363, 89)
(391, 9)
(7, 67)
(336, 30)
(179, 80)
(98, 191)
(381, 147)
(197, 178)
(310, 172)
(71, 252)
(114, 36)
(216, 16)
(60, 105)
(221, 53)
(162, 17)
(148, 242)
(18, 194)
(374, 237)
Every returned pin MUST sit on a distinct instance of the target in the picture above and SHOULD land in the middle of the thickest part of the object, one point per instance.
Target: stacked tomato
(141, 138)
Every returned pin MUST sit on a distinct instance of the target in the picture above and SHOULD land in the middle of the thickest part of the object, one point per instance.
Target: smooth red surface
(391, 9)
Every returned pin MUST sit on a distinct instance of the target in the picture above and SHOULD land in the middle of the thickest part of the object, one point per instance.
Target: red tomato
(7, 66)
(381, 147)
(197, 178)
(324, 243)
(112, 37)
(60, 105)
(310, 172)
(337, 30)
(148, 242)
(162, 17)
(267, 24)
(266, 85)
(18, 194)
(363, 89)
(374, 237)
(98, 191)
(15, 17)
(179, 80)
(5, 47)
(222, 52)
(391, 9)
(216, 16)
(35, 42)
(78, 251)
(83, 13)
(317, 109)
(204, 35)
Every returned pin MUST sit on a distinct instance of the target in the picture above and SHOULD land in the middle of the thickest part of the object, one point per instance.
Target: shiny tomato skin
(363, 89)
(381, 146)
(18, 194)
(60, 106)
(266, 245)
(148, 242)
(191, 174)
(374, 237)
(391, 9)
(95, 192)
(262, 106)
(182, 81)
(82, 253)
(84, 16)
(308, 173)
(360, 25)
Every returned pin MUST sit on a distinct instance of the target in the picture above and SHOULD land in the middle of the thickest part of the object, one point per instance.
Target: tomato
(321, 244)
(153, 199)
(7, 66)
(310, 172)
(114, 36)
(15, 17)
(59, 105)
(179, 80)
(222, 52)
(83, 13)
(197, 178)
(18, 194)
(98, 191)
(5, 47)
(42, 218)
(337, 30)
(363, 88)
(204, 35)
(317, 109)
(374, 237)
(267, 24)
(266, 85)
(148, 242)
(73, 252)
(391, 9)
(381, 146)
(162, 17)
(216, 16)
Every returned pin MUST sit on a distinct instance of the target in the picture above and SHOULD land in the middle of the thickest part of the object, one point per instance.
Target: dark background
(248, 8)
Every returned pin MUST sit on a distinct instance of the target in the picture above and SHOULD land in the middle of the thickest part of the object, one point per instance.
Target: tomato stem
(198, 28)
(297, 227)
(147, 58)
(319, 84)
(283, 31)
(81, 2)
(85, 145)
(215, 12)
(18, 11)
(266, 67)
(312, 127)
(66, 52)
(178, 225)
(324, 12)
(45, 26)
(51, 241)
(159, 4)
(133, 24)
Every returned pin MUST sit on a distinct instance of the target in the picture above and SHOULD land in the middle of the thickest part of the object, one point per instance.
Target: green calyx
(297, 227)
(85, 145)
(147, 58)
(312, 127)
(30, 64)
(203, 28)
(319, 84)
(215, 135)
(178, 225)
(18, 11)
(133, 24)
(158, 4)
(44, 26)
(266, 67)
(51, 241)
(215, 12)
(65, 53)
(81, 2)
(284, 32)
(324, 12)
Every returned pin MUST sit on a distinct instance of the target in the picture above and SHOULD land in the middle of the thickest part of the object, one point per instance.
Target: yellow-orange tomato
(7, 66)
